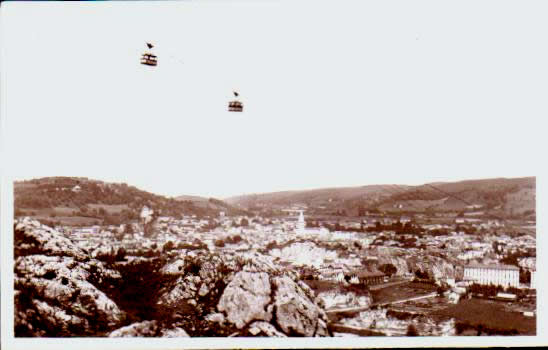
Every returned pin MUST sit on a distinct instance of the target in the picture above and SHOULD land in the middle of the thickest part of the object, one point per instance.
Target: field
(61, 215)
(110, 208)
(402, 291)
(72, 220)
(490, 314)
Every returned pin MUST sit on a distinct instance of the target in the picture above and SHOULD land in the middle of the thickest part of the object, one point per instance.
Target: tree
(378, 226)
(244, 222)
(412, 331)
(388, 269)
(441, 290)
(128, 228)
(524, 276)
(422, 275)
(120, 254)
(169, 246)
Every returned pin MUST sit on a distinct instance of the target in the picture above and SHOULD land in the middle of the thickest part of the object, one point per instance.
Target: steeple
(301, 224)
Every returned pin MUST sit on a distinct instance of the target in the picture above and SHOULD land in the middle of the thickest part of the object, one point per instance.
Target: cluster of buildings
(475, 254)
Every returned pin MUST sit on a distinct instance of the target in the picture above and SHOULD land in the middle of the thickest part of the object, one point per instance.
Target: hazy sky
(336, 93)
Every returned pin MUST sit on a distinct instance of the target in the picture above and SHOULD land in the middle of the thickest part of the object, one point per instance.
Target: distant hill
(211, 204)
(77, 200)
(513, 197)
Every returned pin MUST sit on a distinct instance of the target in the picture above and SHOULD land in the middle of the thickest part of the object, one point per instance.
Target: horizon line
(243, 194)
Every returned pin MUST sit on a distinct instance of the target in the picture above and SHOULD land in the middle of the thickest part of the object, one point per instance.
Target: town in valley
(95, 258)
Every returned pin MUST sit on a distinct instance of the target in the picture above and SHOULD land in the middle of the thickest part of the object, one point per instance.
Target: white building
(498, 275)
(301, 224)
(302, 231)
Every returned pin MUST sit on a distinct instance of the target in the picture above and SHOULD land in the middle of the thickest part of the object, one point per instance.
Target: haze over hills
(501, 196)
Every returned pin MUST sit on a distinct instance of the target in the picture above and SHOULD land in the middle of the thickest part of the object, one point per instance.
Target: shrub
(121, 254)
(138, 289)
(194, 265)
(219, 243)
(169, 246)
(412, 331)
(234, 239)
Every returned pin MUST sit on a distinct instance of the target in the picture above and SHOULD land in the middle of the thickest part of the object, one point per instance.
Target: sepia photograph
(96, 258)
(247, 173)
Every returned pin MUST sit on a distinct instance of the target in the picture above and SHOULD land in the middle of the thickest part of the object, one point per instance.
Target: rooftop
(492, 267)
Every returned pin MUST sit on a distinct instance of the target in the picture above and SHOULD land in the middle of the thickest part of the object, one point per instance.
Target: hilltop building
(498, 275)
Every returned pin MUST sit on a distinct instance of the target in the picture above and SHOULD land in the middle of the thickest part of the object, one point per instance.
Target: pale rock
(139, 329)
(245, 298)
(203, 290)
(267, 330)
(216, 317)
(43, 239)
(176, 267)
(174, 333)
(63, 281)
(295, 312)
(57, 316)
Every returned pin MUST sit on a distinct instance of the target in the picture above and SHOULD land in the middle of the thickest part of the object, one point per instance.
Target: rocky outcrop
(176, 267)
(58, 289)
(277, 306)
(201, 282)
(148, 329)
(245, 299)
(61, 290)
(436, 267)
(57, 286)
(295, 313)
(334, 299)
(382, 319)
(264, 329)
(31, 237)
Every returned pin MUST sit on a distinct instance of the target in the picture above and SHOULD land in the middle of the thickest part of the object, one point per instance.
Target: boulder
(245, 298)
(176, 267)
(216, 318)
(139, 329)
(56, 293)
(174, 333)
(264, 329)
(31, 237)
(147, 329)
(199, 289)
(296, 314)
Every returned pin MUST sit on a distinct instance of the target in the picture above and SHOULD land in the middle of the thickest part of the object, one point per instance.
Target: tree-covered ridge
(112, 203)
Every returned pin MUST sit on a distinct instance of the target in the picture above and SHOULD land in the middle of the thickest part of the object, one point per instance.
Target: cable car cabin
(149, 59)
(235, 106)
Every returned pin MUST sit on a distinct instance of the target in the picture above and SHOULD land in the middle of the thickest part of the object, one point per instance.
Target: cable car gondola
(235, 105)
(148, 58)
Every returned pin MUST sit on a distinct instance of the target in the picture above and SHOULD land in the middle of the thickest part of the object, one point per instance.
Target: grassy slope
(490, 314)
(515, 195)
